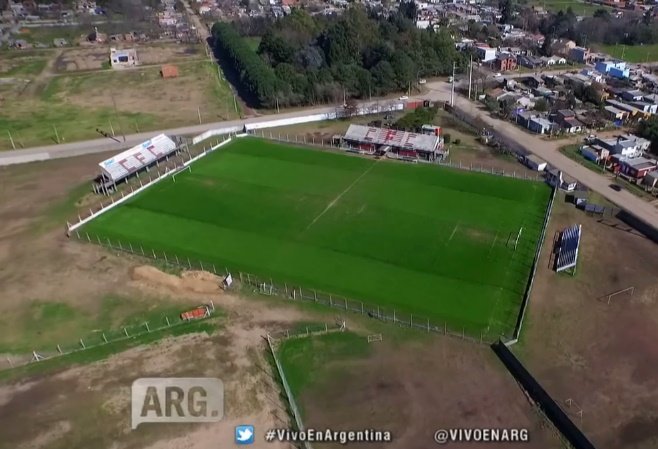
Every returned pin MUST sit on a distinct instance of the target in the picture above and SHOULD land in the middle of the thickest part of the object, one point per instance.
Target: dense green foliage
(420, 239)
(414, 120)
(255, 76)
(318, 59)
(649, 130)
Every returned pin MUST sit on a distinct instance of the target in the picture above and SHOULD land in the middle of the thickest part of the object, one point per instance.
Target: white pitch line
(453, 232)
(493, 244)
(340, 195)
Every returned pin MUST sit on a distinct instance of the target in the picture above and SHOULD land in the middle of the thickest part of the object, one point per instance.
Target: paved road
(438, 91)
(104, 144)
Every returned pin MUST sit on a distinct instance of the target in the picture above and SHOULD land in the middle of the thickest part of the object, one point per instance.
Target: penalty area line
(340, 195)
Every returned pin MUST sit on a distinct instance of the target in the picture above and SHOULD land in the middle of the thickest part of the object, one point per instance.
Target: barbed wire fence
(270, 287)
(97, 339)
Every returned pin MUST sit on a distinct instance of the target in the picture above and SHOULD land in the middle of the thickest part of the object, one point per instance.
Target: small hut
(169, 71)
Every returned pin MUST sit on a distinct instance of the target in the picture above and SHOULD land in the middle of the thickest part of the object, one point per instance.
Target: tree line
(304, 59)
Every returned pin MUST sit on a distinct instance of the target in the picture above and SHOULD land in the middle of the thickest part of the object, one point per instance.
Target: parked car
(422, 81)
(404, 97)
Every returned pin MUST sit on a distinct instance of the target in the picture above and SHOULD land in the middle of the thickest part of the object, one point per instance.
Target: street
(438, 91)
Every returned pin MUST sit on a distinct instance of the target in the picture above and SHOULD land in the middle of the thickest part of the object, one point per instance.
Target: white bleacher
(123, 164)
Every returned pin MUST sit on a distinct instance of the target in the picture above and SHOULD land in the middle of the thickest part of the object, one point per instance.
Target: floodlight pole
(452, 90)
(470, 77)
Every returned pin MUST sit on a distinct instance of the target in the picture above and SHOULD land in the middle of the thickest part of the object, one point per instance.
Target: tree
(649, 130)
(506, 11)
(541, 105)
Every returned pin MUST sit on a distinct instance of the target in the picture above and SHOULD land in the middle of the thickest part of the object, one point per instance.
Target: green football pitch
(434, 242)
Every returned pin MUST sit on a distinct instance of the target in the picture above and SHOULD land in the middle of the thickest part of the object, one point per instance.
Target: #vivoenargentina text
(329, 436)
(483, 435)
(176, 399)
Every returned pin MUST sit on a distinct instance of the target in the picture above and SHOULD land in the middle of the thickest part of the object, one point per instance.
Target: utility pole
(470, 78)
(56, 133)
(198, 111)
(452, 89)
(11, 139)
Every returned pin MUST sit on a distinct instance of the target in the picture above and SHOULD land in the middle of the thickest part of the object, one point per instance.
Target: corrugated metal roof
(393, 138)
(137, 157)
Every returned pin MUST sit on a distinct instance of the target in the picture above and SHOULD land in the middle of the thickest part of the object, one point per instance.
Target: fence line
(124, 197)
(533, 272)
(286, 388)
(268, 287)
(100, 339)
(328, 144)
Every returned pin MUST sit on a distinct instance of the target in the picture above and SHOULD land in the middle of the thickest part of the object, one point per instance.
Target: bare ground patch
(417, 388)
(603, 357)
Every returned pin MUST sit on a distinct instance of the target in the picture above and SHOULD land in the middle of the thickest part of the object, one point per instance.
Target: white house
(486, 54)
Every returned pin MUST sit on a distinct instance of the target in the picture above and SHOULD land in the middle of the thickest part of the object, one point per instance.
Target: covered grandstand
(402, 144)
(127, 163)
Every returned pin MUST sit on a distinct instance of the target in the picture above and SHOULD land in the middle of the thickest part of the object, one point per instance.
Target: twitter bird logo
(244, 434)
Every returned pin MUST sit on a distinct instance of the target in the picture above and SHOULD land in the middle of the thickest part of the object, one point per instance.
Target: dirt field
(64, 410)
(45, 107)
(97, 58)
(417, 388)
(603, 357)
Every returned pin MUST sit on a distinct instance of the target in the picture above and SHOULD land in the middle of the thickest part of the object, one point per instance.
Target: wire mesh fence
(99, 338)
(270, 287)
(331, 144)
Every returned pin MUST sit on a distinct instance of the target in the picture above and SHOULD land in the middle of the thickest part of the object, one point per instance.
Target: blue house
(617, 69)
(534, 123)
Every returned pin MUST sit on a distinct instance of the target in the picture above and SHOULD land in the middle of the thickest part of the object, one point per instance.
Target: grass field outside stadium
(421, 239)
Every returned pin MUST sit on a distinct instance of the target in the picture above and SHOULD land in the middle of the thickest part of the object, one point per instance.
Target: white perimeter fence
(333, 114)
(102, 208)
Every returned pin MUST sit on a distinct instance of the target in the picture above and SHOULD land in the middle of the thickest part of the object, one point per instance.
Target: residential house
(630, 109)
(485, 53)
(580, 55)
(558, 179)
(619, 73)
(505, 62)
(530, 62)
(621, 146)
(606, 66)
(125, 58)
(647, 108)
(632, 95)
(650, 180)
(566, 119)
(651, 98)
(534, 123)
(592, 75)
(642, 143)
(553, 60)
(563, 47)
(614, 114)
(532, 81)
(637, 168)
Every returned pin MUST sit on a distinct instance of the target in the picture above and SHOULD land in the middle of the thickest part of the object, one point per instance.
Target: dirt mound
(194, 281)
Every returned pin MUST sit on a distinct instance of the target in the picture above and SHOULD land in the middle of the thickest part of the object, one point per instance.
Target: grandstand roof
(394, 138)
(137, 157)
